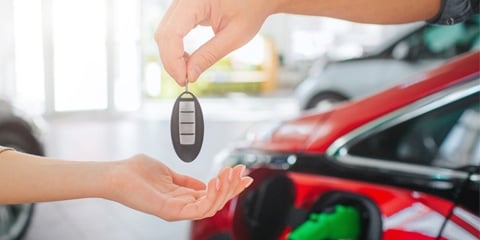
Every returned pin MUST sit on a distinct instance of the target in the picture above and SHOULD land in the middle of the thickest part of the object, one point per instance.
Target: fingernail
(217, 184)
(249, 182)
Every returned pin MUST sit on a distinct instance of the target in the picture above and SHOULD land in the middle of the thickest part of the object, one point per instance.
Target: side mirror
(401, 51)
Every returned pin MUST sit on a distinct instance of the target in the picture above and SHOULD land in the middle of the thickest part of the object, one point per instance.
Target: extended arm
(236, 22)
(366, 11)
(139, 182)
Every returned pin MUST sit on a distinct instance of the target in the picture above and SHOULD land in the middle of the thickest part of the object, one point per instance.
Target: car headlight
(239, 153)
(253, 159)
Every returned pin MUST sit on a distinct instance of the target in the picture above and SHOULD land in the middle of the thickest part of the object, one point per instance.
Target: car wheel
(15, 219)
(325, 101)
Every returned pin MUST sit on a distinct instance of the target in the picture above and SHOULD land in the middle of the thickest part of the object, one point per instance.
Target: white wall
(300, 39)
(7, 69)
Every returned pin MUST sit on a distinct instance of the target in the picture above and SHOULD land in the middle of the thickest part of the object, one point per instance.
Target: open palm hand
(148, 185)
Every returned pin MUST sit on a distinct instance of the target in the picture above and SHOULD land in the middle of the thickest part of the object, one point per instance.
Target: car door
(463, 223)
(427, 147)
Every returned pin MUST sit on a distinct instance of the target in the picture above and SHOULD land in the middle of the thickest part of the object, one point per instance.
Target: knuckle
(208, 58)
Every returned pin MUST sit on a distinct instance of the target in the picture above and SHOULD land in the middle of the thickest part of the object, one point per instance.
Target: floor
(103, 138)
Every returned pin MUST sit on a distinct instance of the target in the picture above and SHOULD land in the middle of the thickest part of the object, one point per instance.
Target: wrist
(279, 6)
(98, 183)
(112, 180)
(109, 180)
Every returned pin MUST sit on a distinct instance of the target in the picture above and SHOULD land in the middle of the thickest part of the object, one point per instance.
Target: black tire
(15, 219)
(329, 98)
(19, 136)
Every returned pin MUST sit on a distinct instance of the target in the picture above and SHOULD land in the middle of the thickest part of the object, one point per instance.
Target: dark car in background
(401, 164)
(415, 48)
(20, 133)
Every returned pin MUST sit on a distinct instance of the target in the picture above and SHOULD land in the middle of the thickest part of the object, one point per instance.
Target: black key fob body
(186, 126)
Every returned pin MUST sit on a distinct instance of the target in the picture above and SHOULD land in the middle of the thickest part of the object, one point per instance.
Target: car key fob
(186, 126)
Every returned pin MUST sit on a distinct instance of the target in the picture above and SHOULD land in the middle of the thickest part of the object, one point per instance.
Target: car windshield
(433, 41)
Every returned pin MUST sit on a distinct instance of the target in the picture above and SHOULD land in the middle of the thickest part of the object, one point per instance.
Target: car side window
(441, 42)
(448, 136)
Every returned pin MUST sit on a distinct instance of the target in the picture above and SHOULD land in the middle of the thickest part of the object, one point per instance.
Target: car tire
(19, 137)
(325, 101)
(15, 218)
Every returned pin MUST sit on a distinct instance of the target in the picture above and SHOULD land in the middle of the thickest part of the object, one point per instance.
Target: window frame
(339, 150)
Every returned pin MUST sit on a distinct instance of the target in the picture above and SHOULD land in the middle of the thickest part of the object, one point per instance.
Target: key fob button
(186, 123)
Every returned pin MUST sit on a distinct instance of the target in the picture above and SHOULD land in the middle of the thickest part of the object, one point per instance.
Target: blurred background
(87, 76)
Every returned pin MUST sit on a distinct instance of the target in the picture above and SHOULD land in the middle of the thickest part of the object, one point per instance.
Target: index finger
(187, 181)
(178, 21)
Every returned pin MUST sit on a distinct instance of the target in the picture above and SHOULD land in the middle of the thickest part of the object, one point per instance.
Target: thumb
(213, 50)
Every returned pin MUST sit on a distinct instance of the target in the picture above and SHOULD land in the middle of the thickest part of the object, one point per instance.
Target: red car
(401, 164)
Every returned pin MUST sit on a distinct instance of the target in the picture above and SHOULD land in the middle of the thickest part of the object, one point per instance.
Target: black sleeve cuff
(455, 11)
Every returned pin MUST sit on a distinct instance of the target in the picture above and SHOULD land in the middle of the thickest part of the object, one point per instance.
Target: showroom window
(448, 136)
(65, 61)
(29, 81)
(79, 55)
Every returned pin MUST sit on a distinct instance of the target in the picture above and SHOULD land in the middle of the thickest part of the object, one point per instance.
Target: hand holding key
(233, 22)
